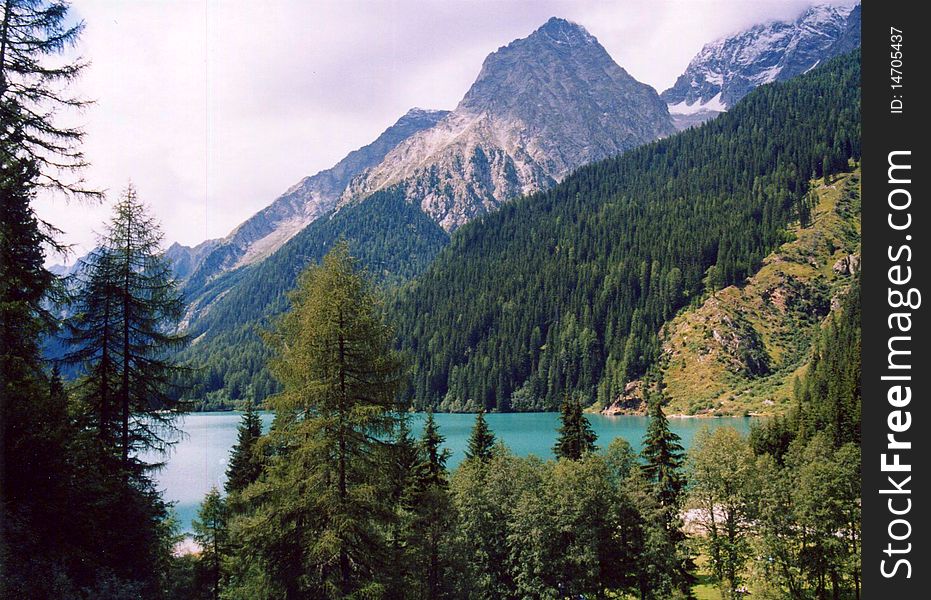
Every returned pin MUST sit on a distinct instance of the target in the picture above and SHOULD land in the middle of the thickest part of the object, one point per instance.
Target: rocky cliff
(540, 107)
(725, 70)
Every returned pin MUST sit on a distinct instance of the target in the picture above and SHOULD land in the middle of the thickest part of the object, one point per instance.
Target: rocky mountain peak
(725, 70)
(301, 204)
(515, 72)
(541, 106)
(560, 31)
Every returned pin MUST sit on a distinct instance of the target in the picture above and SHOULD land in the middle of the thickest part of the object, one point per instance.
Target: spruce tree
(244, 466)
(431, 521)
(211, 532)
(322, 498)
(481, 441)
(432, 467)
(24, 284)
(576, 437)
(32, 92)
(37, 468)
(124, 333)
(663, 462)
(401, 460)
(663, 457)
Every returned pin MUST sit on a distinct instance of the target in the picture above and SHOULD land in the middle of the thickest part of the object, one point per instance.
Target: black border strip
(892, 122)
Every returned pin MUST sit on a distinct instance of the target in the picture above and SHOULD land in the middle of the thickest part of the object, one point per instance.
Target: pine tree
(663, 462)
(244, 466)
(576, 437)
(128, 307)
(31, 92)
(401, 460)
(24, 284)
(481, 441)
(37, 468)
(211, 532)
(663, 458)
(322, 498)
(432, 467)
(431, 520)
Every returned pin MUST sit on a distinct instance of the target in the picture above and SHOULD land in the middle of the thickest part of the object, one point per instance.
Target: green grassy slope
(740, 350)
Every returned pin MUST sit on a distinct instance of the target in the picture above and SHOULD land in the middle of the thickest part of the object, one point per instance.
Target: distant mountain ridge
(850, 39)
(725, 70)
(270, 228)
(540, 107)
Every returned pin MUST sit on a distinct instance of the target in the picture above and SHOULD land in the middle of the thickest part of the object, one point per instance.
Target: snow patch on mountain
(727, 69)
(684, 108)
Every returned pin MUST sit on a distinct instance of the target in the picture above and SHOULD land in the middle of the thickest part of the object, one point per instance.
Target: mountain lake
(199, 460)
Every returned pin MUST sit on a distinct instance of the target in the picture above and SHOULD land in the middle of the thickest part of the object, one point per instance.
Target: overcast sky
(213, 109)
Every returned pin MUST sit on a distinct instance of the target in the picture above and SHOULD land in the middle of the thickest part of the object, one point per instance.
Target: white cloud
(214, 108)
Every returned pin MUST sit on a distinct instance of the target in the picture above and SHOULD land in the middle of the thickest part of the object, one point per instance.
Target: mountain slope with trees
(391, 238)
(742, 349)
(541, 106)
(567, 290)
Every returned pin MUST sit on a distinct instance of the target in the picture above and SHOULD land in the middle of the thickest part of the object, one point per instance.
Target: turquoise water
(198, 461)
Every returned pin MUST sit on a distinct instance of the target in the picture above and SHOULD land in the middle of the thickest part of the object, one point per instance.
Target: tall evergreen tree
(38, 464)
(245, 466)
(663, 458)
(211, 532)
(24, 284)
(576, 436)
(322, 499)
(663, 462)
(127, 311)
(401, 460)
(481, 441)
(32, 92)
(432, 467)
(431, 520)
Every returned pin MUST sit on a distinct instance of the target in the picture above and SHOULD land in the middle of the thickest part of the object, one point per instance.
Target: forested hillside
(567, 290)
(742, 350)
(557, 299)
(392, 239)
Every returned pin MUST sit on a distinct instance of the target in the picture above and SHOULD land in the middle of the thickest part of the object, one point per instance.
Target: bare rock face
(850, 39)
(630, 402)
(728, 69)
(300, 205)
(540, 107)
(849, 265)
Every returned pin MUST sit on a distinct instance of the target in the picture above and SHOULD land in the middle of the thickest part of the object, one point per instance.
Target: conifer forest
(569, 299)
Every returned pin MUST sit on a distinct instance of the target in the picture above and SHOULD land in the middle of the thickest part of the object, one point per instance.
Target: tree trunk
(127, 268)
(105, 377)
(344, 566)
(4, 42)
(216, 564)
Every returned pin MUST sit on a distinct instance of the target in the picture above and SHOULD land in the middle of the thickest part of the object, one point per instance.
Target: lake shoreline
(752, 415)
(199, 460)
